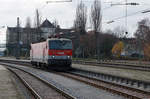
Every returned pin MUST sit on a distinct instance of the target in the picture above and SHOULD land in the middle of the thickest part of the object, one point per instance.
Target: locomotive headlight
(53, 56)
(69, 57)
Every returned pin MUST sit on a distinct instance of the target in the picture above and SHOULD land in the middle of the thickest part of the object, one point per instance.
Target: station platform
(7, 88)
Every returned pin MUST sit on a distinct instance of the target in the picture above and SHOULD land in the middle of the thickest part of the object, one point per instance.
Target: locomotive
(55, 53)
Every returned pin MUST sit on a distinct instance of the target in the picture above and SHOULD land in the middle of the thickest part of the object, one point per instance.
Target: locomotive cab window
(60, 44)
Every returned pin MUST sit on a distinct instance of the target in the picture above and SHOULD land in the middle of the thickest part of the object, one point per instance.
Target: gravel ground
(7, 88)
(76, 88)
(133, 74)
(43, 90)
(79, 89)
(99, 83)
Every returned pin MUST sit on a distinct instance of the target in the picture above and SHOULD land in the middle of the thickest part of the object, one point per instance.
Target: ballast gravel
(42, 89)
(73, 87)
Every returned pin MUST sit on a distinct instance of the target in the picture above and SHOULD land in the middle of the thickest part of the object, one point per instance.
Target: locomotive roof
(59, 39)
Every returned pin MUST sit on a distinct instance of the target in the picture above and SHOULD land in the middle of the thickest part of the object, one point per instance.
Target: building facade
(132, 48)
(25, 36)
(2, 40)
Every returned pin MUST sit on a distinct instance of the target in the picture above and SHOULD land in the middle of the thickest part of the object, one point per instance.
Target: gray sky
(65, 12)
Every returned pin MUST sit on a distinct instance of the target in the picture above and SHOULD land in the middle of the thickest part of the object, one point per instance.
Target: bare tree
(28, 28)
(80, 24)
(55, 23)
(29, 35)
(119, 31)
(57, 28)
(142, 35)
(81, 18)
(28, 22)
(38, 19)
(96, 22)
(143, 31)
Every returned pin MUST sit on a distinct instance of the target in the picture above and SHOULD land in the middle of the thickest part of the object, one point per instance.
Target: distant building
(47, 29)
(2, 40)
(131, 48)
(27, 36)
(32, 35)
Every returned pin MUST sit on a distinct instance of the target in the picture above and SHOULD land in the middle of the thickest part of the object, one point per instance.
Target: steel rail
(129, 88)
(145, 84)
(65, 94)
(115, 79)
(101, 64)
(34, 93)
(114, 65)
(126, 87)
(125, 94)
(139, 82)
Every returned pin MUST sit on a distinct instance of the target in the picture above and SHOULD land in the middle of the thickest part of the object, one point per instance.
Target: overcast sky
(65, 12)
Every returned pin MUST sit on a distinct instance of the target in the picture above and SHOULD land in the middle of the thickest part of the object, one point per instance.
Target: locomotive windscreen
(60, 44)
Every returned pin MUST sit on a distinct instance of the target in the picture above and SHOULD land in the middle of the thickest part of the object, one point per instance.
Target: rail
(67, 95)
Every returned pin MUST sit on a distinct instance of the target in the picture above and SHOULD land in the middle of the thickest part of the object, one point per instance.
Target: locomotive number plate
(60, 52)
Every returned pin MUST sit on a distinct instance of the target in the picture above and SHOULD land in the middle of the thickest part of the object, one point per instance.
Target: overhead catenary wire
(58, 1)
(111, 5)
(131, 14)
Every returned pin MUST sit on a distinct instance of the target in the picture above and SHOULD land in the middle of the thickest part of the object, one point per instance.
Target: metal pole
(126, 19)
(18, 39)
(98, 47)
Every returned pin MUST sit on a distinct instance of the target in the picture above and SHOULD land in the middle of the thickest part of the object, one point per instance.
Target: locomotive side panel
(38, 52)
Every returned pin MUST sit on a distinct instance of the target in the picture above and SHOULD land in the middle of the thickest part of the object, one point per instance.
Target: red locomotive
(53, 53)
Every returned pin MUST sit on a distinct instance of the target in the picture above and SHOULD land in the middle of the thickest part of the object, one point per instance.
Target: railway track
(126, 91)
(102, 76)
(38, 86)
(92, 63)
(36, 95)
(116, 65)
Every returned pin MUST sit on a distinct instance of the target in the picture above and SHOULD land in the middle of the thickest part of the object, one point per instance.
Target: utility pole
(126, 12)
(38, 25)
(18, 39)
(126, 19)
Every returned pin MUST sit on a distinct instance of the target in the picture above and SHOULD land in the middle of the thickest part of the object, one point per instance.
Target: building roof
(59, 39)
(47, 24)
(129, 40)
